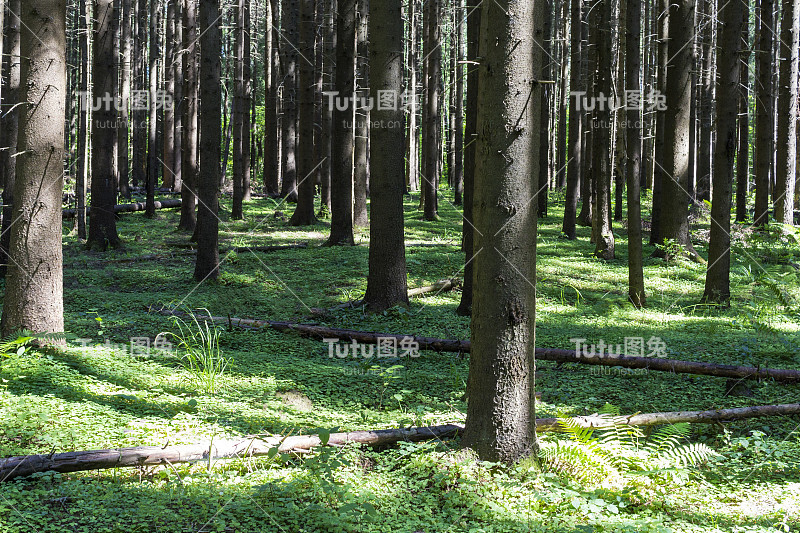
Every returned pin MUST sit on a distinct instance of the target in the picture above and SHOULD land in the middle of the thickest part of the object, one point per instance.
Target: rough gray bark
(167, 129)
(207, 264)
(386, 282)
(717, 286)
(289, 119)
(500, 422)
(342, 149)
(458, 149)
(103, 224)
(304, 212)
(603, 236)
(152, 133)
(577, 84)
(84, 118)
(470, 146)
(9, 127)
(633, 151)
(786, 168)
(123, 159)
(33, 291)
(743, 152)
(677, 124)
(238, 111)
(547, 89)
(431, 120)
(271, 140)
(361, 167)
(659, 163)
(177, 65)
(189, 159)
(140, 131)
(764, 113)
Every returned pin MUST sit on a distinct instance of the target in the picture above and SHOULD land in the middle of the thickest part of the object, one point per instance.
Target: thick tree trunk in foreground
(304, 212)
(207, 264)
(786, 170)
(633, 149)
(717, 286)
(544, 354)
(33, 292)
(471, 142)
(103, 225)
(386, 282)
(764, 113)
(14, 467)
(500, 414)
(342, 149)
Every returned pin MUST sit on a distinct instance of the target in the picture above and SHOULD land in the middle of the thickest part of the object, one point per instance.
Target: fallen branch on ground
(13, 467)
(542, 354)
(127, 208)
(440, 286)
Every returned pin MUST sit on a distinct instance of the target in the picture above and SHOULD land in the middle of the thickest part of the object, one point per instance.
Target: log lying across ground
(128, 208)
(13, 467)
(542, 354)
(440, 286)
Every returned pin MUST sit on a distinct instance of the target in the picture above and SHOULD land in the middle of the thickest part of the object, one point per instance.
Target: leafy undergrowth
(106, 390)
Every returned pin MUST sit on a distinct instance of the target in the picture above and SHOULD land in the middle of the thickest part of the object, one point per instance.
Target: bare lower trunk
(786, 169)
(33, 291)
(764, 113)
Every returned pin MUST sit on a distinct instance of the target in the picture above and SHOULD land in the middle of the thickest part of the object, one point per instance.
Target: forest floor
(106, 395)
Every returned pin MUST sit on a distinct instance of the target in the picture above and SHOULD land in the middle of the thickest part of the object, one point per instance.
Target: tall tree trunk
(659, 168)
(705, 98)
(474, 11)
(271, 141)
(289, 120)
(675, 180)
(81, 174)
(304, 212)
(717, 287)
(168, 123)
(585, 215)
(33, 292)
(743, 153)
(189, 160)
(786, 168)
(138, 111)
(431, 121)
(764, 113)
(210, 39)
(9, 127)
(547, 93)
(577, 85)
(123, 129)
(177, 64)
(601, 138)
(362, 119)
(458, 166)
(500, 423)
(342, 149)
(238, 111)
(102, 224)
(153, 163)
(329, 84)
(633, 151)
(386, 282)
(247, 117)
(412, 144)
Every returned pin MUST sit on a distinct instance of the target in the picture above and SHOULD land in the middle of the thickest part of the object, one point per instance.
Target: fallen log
(543, 354)
(14, 467)
(128, 208)
(440, 286)
(241, 249)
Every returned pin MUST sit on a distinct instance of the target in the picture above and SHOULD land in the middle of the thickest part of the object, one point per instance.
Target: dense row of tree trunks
(786, 167)
(289, 31)
(764, 111)
(362, 118)
(189, 143)
(577, 85)
(743, 135)
(9, 126)
(431, 119)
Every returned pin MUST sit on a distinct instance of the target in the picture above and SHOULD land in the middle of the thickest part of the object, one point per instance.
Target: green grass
(102, 395)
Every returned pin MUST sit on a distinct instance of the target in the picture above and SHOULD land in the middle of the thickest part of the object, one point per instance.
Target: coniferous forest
(399, 265)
